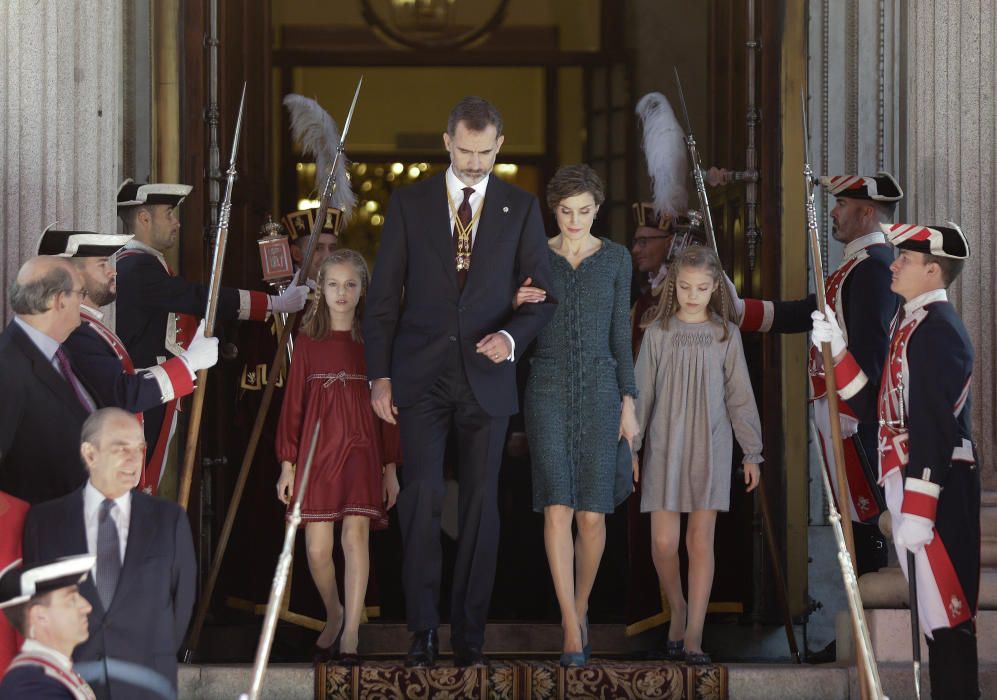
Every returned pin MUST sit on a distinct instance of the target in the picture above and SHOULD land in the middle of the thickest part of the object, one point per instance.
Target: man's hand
(380, 399)
(914, 532)
(202, 352)
(826, 330)
(291, 300)
(528, 294)
(494, 346)
(735, 300)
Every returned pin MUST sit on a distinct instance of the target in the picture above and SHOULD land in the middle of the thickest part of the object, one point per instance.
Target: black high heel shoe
(321, 655)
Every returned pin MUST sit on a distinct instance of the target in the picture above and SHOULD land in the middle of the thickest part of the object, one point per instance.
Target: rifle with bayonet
(868, 673)
(274, 372)
(697, 170)
(214, 288)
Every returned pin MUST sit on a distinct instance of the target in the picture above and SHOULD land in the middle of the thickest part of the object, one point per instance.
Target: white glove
(735, 300)
(827, 331)
(202, 353)
(849, 425)
(292, 299)
(914, 532)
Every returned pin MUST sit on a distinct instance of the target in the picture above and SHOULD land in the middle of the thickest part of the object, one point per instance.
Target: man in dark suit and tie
(44, 402)
(441, 340)
(142, 591)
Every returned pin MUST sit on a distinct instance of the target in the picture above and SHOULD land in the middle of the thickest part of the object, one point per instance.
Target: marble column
(60, 122)
(951, 169)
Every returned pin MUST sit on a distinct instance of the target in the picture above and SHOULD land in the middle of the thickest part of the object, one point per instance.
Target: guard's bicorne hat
(299, 223)
(882, 187)
(133, 194)
(944, 241)
(645, 215)
(19, 584)
(80, 244)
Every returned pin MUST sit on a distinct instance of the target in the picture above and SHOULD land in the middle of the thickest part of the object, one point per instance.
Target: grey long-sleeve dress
(694, 387)
(580, 371)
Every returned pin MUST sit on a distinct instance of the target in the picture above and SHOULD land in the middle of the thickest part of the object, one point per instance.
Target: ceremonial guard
(97, 353)
(156, 311)
(858, 292)
(651, 250)
(927, 460)
(42, 601)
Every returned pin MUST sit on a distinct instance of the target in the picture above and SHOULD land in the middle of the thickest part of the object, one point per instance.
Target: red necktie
(464, 216)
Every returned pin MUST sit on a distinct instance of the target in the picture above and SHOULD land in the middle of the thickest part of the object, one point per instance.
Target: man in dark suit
(44, 402)
(441, 338)
(142, 591)
(98, 355)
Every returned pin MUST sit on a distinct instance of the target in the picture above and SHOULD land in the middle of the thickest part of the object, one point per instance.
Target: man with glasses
(44, 401)
(97, 353)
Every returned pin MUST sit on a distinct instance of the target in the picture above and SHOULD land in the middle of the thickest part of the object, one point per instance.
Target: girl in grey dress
(694, 388)
(579, 397)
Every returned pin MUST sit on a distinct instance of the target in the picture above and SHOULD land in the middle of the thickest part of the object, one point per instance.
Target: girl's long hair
(317, 323)
(700, 258)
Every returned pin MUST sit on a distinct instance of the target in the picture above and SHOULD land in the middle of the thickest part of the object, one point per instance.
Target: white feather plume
(318, 135)
(664, 148)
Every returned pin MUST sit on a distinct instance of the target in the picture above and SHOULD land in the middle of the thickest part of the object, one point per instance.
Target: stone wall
(60, 122)
(951, 168)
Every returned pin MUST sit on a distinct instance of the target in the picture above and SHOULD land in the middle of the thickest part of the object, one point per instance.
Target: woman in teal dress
(579, 396)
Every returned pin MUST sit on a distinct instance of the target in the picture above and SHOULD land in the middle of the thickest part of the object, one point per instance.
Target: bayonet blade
(238, 128)
(806, 130)
(685, 112)
(349, 116)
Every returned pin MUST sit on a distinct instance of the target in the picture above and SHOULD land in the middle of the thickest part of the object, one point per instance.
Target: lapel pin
(505, 210)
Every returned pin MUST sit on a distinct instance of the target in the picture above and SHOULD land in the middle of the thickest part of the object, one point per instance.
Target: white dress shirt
(874, 238)
(456, 189)
(92, 498)
(48, 346)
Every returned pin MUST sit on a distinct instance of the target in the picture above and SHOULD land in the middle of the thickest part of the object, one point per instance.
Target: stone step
(889, 631)
(745, 681)
(887, 588)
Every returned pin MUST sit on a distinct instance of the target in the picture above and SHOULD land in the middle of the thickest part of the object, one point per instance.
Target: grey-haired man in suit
(142, 590)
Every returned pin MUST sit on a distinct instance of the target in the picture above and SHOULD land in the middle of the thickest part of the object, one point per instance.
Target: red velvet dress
(328, 383)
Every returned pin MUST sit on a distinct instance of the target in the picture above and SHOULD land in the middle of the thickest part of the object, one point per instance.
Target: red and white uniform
(41, 672)
(858, 293)
(927, 463)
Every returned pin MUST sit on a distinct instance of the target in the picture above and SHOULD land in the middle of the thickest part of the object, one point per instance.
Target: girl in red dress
(327, 382)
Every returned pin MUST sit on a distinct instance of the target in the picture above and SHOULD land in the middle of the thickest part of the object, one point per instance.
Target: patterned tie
(464, 216)
(108, 554)
(74, 382)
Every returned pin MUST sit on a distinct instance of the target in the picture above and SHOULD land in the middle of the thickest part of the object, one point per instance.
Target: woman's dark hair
(571, 180)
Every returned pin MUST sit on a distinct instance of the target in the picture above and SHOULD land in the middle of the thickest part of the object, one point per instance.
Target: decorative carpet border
(523, 680)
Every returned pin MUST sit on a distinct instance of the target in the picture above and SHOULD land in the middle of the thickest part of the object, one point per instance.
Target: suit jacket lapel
(139, 538)
(490, 226)
(45, 372)
(77, 529)
(440, 233)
